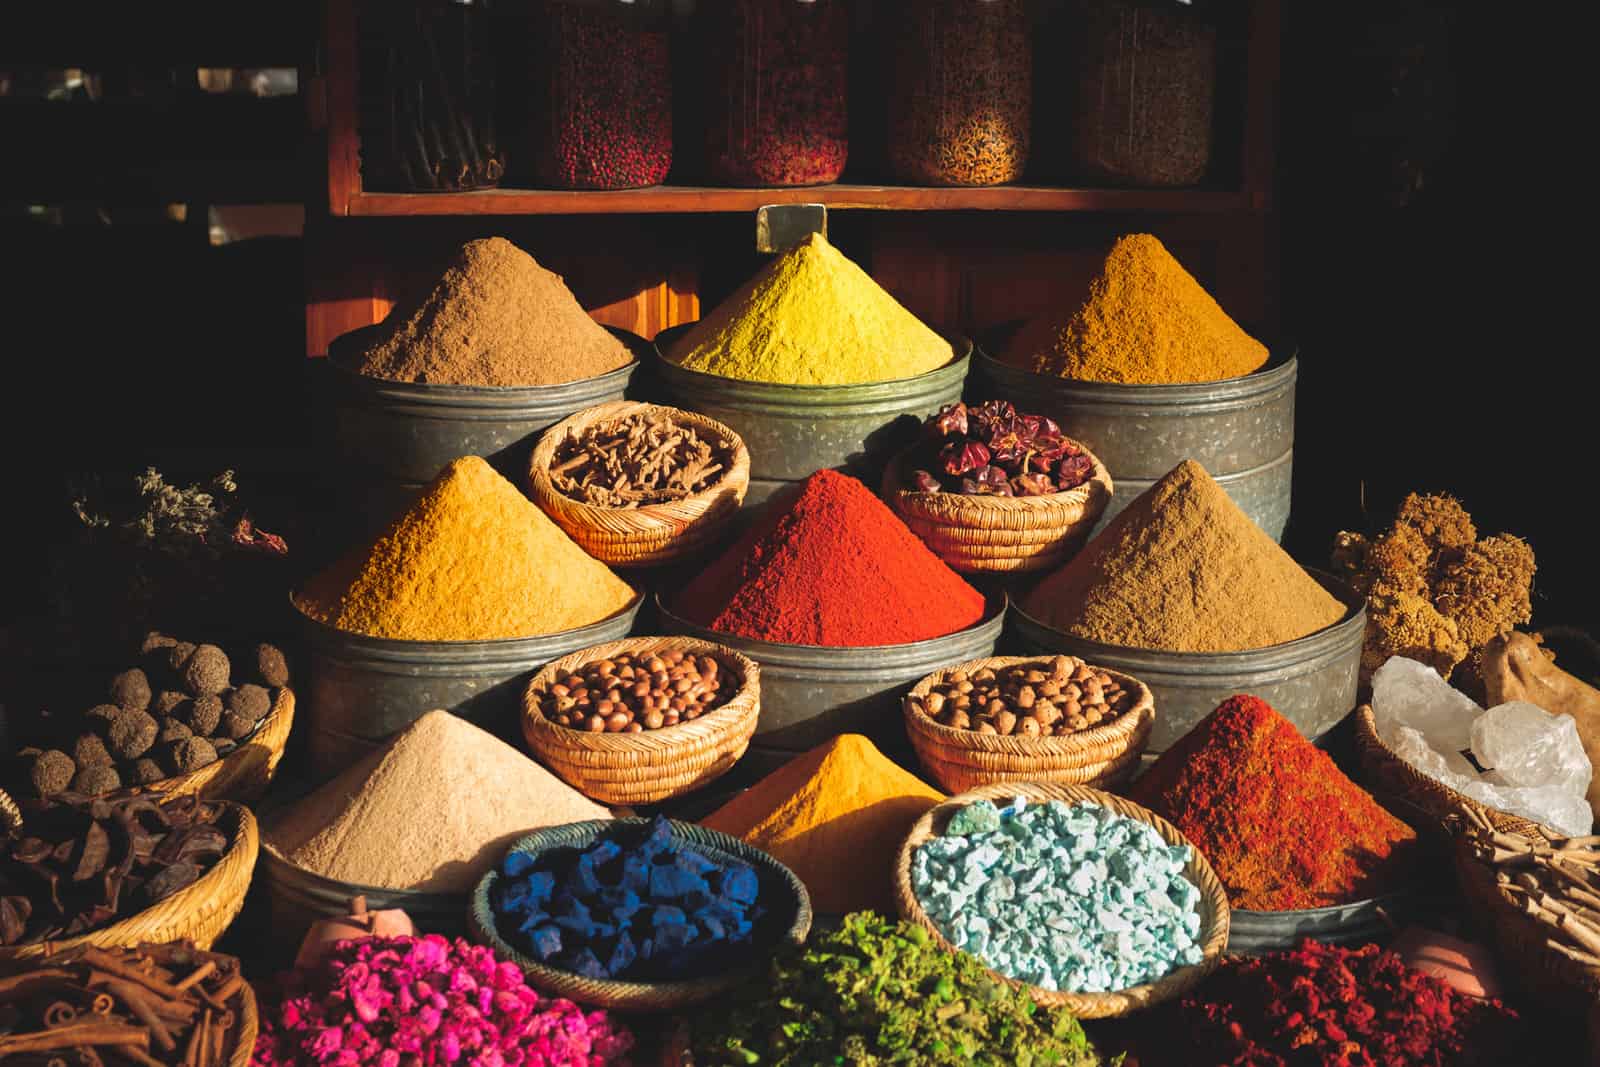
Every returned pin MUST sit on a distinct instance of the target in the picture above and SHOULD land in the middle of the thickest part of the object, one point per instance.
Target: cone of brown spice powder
(430, 811)
(495, 318)
(1182, 569)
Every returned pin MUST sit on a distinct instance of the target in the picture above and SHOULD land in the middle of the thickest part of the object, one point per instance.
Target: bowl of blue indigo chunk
(638, 914)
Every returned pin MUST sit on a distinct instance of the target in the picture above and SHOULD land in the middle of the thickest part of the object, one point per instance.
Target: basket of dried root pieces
(638, 484)
(164, 1004)
(1540, 898)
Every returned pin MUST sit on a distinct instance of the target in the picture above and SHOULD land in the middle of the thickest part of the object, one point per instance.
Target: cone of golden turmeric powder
(1146, 322)
(472, 559)
(811, 317)
(836, 817)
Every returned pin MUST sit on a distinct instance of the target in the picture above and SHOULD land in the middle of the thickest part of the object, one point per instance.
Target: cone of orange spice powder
(1281, 824)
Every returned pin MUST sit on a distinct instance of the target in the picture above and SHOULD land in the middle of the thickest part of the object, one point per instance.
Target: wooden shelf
(674, 199)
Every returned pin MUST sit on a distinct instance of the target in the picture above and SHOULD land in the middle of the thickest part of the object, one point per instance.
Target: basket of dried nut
(1028, 719)
(643, 719)
(638, 484)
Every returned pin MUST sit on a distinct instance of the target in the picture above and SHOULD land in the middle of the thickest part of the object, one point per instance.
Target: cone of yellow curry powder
(471, 559)
(1146, 322)
(836, 817)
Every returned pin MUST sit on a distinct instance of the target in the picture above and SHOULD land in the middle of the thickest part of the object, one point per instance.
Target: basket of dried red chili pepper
(120, 870)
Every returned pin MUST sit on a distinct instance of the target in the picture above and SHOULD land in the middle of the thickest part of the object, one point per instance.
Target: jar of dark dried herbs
(1132, 98)
(961, 94)
(776, 90)
(600, 107)
(427, 97)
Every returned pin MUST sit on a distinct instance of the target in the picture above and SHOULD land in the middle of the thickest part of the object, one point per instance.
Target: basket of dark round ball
(638, 914)
(993, 490)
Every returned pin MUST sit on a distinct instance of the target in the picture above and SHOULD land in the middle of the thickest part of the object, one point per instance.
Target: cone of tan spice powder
(430, 811)
(495, 318)
(1182, 569)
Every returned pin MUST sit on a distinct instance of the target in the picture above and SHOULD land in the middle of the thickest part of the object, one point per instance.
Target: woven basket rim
(616, 992)
(743, 703)
(1125, 724)
(1214, 935)
(544, 452)
(1371, 745)
(1078, 496)
(243, 833)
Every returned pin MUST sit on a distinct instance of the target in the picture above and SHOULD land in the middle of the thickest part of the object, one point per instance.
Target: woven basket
(788, 920)
(965, 759)
(243, 774)
(1414, 796)
(653, 765)
(198, 913)
(652, 533)
(1000, 534)
(1213, 900)
(1563, 986)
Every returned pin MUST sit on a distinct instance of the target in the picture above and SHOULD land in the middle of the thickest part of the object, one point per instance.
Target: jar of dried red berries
(600, 116)
(776, 89)
(961, 92)
(1133, 91)
(426, 85)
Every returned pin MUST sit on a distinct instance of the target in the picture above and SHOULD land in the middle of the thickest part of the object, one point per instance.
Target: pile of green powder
(881, 992)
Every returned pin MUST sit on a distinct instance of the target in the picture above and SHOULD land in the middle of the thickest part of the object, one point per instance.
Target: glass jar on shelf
(600, 88)
(1135, 92)
(776, 99)
(426, 89)
(960, 97)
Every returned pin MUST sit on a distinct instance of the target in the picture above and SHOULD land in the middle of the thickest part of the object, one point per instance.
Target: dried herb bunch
(154, 1004)
(638, 459)
(77, 863)
(1435, 592)
(199, 521)
(991, 450)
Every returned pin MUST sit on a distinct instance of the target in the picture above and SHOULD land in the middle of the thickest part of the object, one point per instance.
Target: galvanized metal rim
(501, 396)
(876, 658)
(1194, 397)
(510, 649)
(1291, 653)
(754, 394)
(278, 865)
(1330, 912)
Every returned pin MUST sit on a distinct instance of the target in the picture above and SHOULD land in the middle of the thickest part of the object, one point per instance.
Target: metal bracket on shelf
(782, 226)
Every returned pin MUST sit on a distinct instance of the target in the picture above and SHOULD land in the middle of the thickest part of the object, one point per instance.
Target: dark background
(1432, 272)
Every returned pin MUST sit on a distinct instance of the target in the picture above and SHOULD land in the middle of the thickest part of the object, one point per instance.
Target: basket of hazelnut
(643, 719)
(1028, 719)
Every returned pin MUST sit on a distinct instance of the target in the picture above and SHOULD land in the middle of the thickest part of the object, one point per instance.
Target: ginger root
(1514, 667)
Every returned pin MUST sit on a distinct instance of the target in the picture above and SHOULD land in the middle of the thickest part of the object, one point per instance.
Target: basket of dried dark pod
(993, 490)
(638, 484)
(119, 870)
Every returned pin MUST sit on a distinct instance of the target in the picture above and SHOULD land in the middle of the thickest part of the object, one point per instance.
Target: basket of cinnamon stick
(154, 1005)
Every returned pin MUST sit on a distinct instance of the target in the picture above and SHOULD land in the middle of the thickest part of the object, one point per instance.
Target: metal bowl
(1255, 933)
(1311, 681)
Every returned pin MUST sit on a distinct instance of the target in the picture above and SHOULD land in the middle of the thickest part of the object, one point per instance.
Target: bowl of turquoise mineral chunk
(1210, 902)
(787, 920)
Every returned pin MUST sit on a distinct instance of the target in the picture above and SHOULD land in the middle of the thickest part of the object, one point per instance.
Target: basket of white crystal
(1085, 900)
(1430, 751)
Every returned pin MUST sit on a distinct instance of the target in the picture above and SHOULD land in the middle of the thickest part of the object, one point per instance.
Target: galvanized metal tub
(1310, 681)
(810, 693)
(363, 689)
(297, 898)
(1240, 429)
(391, 438)
(1255, 933)
(794, 430)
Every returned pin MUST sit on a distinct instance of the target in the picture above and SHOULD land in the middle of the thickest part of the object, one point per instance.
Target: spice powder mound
(811, 317)
(495, 318)
(1281, 824)
(430, 811)
(1146, 322)
(1182, 569)
(472, 559)
(825, 813)
(836, 568)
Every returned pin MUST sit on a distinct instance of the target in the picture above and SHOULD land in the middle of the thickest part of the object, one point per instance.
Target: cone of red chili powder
(836, 568)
